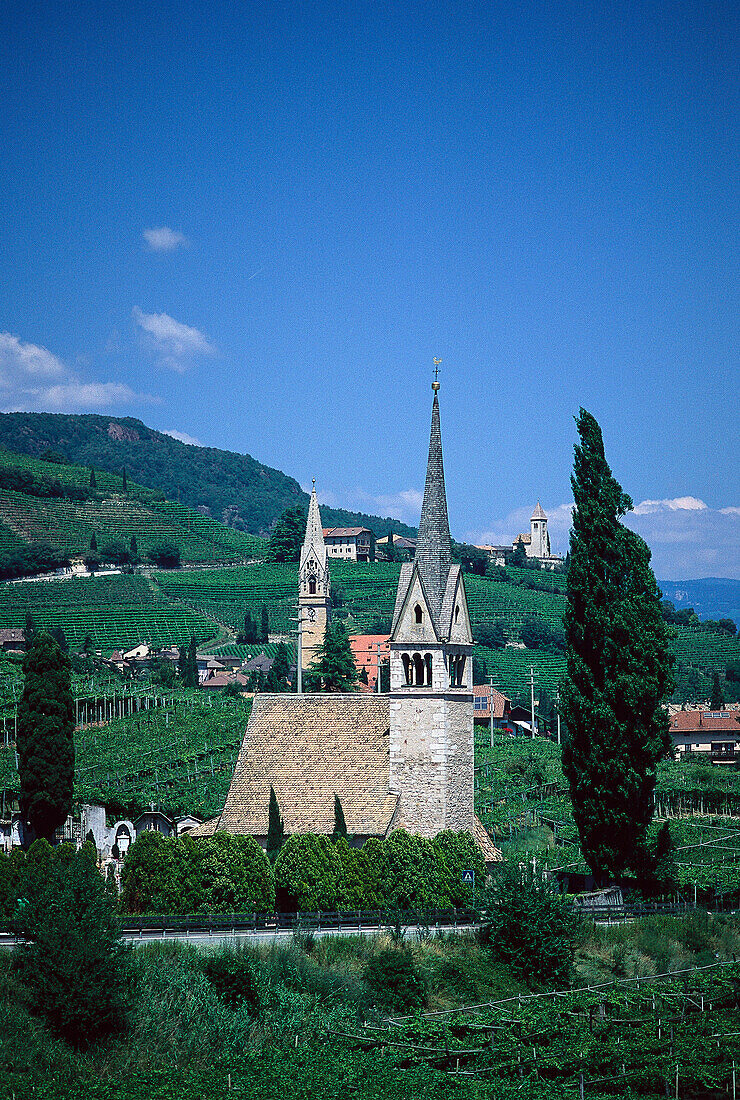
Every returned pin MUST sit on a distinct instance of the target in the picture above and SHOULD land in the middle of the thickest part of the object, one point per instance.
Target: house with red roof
(365, 652)
(712, 733)
(349, 543)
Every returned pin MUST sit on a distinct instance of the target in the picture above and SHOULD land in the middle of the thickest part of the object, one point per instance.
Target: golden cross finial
(435, 383)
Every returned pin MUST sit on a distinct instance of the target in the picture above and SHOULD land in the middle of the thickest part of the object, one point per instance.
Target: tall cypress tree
(340, 825)
(46, 754)
(618, 669)
(718, 700)
(192, 664)
(265, 625)
(334, 667)
(275, 828)
(93, 479)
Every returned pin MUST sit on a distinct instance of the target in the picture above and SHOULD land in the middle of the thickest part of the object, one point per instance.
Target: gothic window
(457, 613)
(312, 585)
(418, 670)
(428, 664)
(418, 614)
(460, 671)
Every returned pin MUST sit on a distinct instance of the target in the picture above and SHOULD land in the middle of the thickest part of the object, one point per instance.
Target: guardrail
(340, 921)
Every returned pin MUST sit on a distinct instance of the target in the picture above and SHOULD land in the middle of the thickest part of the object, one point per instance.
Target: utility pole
(490, 703)
(557, 697)
(531, 695)
(378, 681)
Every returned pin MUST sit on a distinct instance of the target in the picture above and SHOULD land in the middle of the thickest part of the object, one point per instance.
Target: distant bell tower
(431, 701)
(314, 586)
(540, 540)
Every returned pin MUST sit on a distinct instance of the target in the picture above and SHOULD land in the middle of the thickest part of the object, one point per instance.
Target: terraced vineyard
(116, 611)
(112, 515)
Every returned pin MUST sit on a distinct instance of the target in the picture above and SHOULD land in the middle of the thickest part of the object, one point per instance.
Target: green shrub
(416, 875)
(529, 926)
(72, 965)
(394, 977)
(232, 974)
(308, 873)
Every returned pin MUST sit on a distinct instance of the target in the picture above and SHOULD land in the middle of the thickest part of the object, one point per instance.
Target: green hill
(53, 503)
(232, 488)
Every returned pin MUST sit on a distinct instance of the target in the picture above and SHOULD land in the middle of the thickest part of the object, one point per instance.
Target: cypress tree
(192, 667)
(124, 481)
(265, 623)
(718, 699)
(134, 546)
(280, 666)
(30, 631)
(93, 479)
(275, 828)
(93, 543)
(46, 755)
(182, 665)
(618, 669)
(340, 826)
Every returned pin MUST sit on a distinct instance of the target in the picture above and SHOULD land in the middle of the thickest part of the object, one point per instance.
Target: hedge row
(227, 873)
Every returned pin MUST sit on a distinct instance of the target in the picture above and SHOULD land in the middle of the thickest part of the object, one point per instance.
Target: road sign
(468, 878)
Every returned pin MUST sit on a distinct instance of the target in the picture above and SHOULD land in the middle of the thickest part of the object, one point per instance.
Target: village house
(711, 734)
(349, 543)
(482, 694)
(365, 652)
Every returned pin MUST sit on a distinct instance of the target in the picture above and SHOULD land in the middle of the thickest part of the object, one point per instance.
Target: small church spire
(433, 547)
(313, 544)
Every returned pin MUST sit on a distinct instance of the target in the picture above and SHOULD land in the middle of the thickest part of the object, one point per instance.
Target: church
(397, 760)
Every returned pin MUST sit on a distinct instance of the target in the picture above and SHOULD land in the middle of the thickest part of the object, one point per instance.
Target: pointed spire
(313, 544)
(538, 512)
(433, 543)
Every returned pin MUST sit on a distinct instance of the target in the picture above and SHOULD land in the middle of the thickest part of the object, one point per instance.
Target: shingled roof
(433, 546)
(309, 748)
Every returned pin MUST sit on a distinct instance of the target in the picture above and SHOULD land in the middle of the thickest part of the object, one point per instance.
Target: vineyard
(673, 1034)
(117, 611)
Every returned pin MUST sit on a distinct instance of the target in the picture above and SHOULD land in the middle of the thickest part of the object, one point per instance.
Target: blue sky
(256, 225)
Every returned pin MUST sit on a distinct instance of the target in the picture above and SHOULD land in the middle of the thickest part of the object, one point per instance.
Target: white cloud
(170, 340)
(164, 239)
(33, 379)
(502, 532)
(183, 437)
(731, 511)
(677, 504)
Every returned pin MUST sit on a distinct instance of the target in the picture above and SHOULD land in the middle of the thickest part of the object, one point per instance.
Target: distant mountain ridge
(233, 488)
(710, 597)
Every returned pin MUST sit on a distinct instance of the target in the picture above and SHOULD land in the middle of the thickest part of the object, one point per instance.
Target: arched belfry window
(407, 668)
(418, 613)
(428, 668)
(312, 585)
(457, 612)
(418, 670)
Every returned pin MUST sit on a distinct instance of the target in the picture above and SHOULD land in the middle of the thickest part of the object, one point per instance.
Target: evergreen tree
(134, 549)
(93, 543)
(519, 558)
(57, 633)
(249, 634)
(363, 675)
(182, 665)
(334, 667)
(718, 699)
(340, 826)
(93, 479)
(72, 965)
(46, 755)
(287, 536)
(280, 666)
(124, 481)
(385, 676)
(30, 631)
(275, 828)
(618, 669)
(265, 625)
(192, 664)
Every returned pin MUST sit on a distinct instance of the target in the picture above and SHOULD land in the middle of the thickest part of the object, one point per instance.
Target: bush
(165, 555)
(72, 964)
(308, 874)
(416, 876)
(491, 635)
(536, 634)
(394, 977)
(529, 926)
(460, 853)
(232, 974)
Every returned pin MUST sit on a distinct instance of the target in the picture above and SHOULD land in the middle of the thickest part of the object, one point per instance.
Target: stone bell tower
(314, 586)
(539, 546)
(431, 700)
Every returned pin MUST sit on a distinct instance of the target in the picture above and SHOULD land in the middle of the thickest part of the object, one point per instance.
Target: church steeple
(314, 585)
(433, 547)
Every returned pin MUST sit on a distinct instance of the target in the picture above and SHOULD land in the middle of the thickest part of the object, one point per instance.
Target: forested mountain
(233, 488)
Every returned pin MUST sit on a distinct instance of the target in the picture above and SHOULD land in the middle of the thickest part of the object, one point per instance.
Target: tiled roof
(706, 721)
(491, 853)
(309, 748)
(499, 699)
(539, 512)
(523, 538)
(345, 532)
(208, 828)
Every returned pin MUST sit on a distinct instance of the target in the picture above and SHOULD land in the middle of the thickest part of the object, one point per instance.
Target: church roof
(314, 540)
(433, 547)
(539, 512)
(309, 748)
